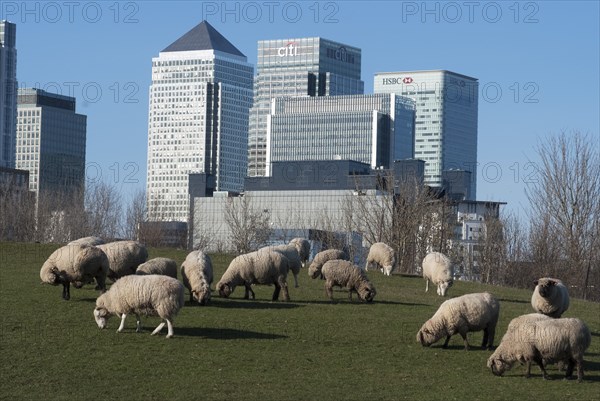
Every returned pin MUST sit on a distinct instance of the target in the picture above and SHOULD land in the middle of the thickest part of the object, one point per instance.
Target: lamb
(471, 312)
(151, 295)
(293, 257)
(438, 269)
(303, 247)
(320, 258)
(124, 257)
(381, 255)
(550, 297)
(542, 341)
(343, 273)
(197, 275)
(164, 266)
(77, 264)
(88, 241)
(258, 267)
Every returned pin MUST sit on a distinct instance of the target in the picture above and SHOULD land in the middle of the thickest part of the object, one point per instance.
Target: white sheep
(124, 257)
(550, 297)
(382, 255)
(293, 257)
(164, 266)
(320, 258)
(303, 247)
(77, 264)
(151, 295)
(542, 341)
(259, 267)
(345, 274)
(438, 269)
(88, 241)
(467, 313)
(197, 275)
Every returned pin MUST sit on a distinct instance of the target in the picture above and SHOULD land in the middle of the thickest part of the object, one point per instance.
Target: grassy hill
(307, 349)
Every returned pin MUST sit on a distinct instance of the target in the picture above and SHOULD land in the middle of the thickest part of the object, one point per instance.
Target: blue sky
(537, 64)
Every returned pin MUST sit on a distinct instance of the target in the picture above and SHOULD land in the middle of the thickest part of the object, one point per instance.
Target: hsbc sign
(397, 80)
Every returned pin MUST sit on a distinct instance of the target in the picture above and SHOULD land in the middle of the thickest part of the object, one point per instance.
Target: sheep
(542, 341)
(381, 255)
(343, 273)
(303, 247)
(124, 257)
(438, 269)
(320, 258)
(88, 241)
(550, 297)
(151, 295)
(470, 312)
(293, 257)
(77, 264)
(197, 275)
(258, 267)
(164, 266)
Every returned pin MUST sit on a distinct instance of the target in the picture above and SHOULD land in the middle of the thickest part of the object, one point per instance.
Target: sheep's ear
(552, 282)
(535, 282)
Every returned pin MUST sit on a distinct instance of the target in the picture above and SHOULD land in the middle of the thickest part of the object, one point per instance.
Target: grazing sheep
(197, 275)
(164, 266)
(438, 269)
(542, 341)
(471, 312)
(259, 267)
(303, 247)
(293, 257)
(343, 273)
(77, 264)
(151, 295)
(88, 241)
(550, 297)
(124, 257)
(320, 258)
(381, 255)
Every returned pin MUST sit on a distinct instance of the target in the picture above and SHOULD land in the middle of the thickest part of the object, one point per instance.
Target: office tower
(198, 119)
(51, 140)
(446, 119)
(372, 129)
(8, 93)
(297, 67)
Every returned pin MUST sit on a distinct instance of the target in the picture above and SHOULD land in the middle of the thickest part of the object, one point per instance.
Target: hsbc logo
(407, 80)
(397, 81)
(291, 49)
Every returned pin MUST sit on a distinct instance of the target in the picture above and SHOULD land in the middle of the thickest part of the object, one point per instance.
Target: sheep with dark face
(77, 264)
(550, 297)
(345, 274)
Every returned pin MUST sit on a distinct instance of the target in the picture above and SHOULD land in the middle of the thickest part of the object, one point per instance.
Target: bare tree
(565, 204)
(104, 207)
(135, 215)
(249, 227)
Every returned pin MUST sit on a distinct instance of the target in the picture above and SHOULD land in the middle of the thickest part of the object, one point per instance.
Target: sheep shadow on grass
(515, 301)
(215, 333)
(248, 304)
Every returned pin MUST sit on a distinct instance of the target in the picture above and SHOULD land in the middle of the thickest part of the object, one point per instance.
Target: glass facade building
(8, 93)
(446, 119)
(50, 144)
(373, 129)
(200, 96)
(297, 67)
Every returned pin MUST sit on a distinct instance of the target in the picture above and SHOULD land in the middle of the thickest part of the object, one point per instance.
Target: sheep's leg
(528, 371)
(485, 338)
(101, 283)
(122, 325)
(249, 294)
(464, 337)
(329, 290)
(579, 361)
(138, 323)
(169, 328)
(276, 292)
(538, 359)
(426, 285)
(350, 295)
(296, 280)
(66, 291)
(159, 328)
(446, 342)
(286, 292)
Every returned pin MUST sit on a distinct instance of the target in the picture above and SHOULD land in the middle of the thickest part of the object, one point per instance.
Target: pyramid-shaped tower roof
(203, 37)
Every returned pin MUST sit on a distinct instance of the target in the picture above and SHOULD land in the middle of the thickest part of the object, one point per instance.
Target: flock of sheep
(150, 287)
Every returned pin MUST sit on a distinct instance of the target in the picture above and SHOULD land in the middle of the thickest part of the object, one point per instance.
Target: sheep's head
(443, 287)
(101, 316)
(427, 335)
(51, 276)
(224, 289)
(498, 365)
(367, 292)
(314, 271)
(202, 296)
(545, 286)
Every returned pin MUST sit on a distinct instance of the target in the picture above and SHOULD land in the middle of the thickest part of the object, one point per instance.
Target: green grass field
(307, 349)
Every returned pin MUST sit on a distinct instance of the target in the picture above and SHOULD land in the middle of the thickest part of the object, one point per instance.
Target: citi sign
(291, 49)
(396, 81)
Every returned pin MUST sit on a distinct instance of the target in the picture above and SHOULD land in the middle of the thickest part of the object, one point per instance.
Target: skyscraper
(297, 67)
(446, 119)
(51, 139)
(8, 93)
(198, 119)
